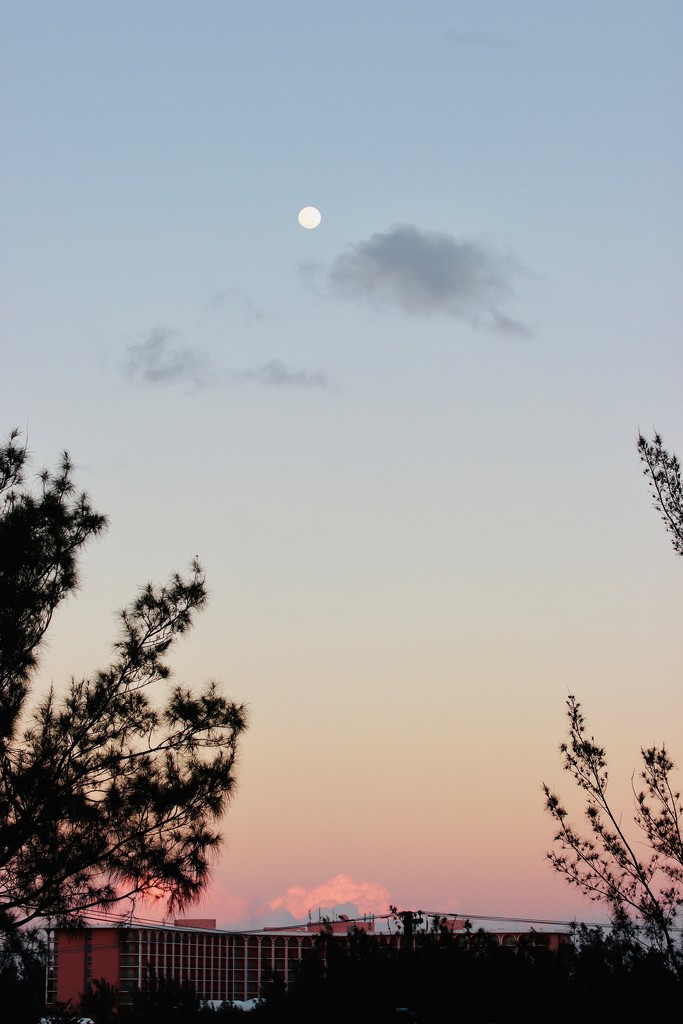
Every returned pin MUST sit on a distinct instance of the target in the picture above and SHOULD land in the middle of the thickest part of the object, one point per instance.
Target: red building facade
(220, 965)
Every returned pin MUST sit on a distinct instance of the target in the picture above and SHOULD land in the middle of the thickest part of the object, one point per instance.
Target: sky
(402, 444)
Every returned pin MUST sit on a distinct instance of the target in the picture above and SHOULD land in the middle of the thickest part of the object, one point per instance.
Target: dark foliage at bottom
(22, 976)
(600, 977)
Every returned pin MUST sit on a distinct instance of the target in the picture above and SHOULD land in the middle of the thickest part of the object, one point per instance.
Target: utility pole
(408, 919)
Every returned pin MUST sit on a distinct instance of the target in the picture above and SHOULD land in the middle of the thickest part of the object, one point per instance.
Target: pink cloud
(368, 897)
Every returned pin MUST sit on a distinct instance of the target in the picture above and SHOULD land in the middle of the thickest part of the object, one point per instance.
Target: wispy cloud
(162, 359)
(368, 897)
(429, 272)
(275, 372)
(237, 299)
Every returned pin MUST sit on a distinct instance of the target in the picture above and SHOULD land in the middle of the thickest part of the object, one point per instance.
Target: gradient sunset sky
(401, 444)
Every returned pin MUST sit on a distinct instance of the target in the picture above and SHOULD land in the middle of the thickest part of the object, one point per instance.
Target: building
(220, 965)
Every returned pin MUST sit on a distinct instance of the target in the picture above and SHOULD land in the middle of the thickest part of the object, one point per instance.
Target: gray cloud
(275, 372)
(236, 298)
(161, 359)
(425, 272)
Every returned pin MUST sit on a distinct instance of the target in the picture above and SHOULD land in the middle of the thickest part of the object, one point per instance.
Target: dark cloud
(161, 359)
(275, 372)
(425, 272)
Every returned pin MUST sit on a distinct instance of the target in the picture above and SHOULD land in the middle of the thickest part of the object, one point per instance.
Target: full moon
(309, 217)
